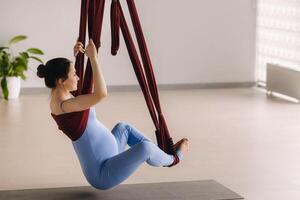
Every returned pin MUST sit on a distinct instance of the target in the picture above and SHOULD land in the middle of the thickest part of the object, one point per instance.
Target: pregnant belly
(102, 141)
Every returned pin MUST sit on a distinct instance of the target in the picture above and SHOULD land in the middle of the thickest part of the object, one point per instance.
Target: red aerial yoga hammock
(92, 11)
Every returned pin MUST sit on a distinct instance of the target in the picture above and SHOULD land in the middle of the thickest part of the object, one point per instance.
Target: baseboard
(185, 86)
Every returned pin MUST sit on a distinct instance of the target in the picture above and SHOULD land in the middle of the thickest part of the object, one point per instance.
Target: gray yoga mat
(188, 190)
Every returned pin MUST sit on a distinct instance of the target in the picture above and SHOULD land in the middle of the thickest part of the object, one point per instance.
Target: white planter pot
(14, 86)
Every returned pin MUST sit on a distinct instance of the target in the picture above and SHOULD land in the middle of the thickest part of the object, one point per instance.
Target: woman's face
(71, 82)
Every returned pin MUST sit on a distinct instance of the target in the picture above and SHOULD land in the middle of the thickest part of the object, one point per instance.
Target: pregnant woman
(101, 152)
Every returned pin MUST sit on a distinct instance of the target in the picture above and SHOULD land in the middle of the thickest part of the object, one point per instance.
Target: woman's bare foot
(183, 146)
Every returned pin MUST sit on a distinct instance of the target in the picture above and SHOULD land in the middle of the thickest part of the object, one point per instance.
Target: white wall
(195, 41)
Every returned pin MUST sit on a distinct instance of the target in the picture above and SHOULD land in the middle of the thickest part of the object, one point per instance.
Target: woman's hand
(78, 48)
(90, 50)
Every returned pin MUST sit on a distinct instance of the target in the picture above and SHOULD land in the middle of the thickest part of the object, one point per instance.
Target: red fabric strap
(92, 13)
(74, 124)
(148, 86)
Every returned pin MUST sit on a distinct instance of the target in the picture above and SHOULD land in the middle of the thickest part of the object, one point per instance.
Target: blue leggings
(103, 158)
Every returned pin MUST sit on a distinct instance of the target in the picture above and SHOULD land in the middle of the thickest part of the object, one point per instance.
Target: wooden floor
(239, 137)
(189, 190)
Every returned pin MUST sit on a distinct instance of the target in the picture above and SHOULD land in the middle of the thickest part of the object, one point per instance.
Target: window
(278, 35)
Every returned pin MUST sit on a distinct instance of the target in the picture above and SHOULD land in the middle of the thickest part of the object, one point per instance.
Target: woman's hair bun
(41, 71)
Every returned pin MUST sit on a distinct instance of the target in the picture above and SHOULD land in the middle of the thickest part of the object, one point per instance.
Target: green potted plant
(12, 67)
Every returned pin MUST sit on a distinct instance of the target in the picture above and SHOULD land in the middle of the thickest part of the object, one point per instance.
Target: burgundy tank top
(72, 124)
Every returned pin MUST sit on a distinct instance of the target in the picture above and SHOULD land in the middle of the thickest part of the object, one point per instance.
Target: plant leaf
(4, 88)
(22, 76)
(35, 51)
(25, 55)
(5, 64)
(16, 39)
(19, 70)
(37, 59)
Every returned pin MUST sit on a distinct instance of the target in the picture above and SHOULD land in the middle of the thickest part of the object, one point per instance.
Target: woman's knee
(120, 126)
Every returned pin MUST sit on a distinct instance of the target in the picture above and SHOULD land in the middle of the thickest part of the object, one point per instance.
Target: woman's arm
(83, 102)
(100, 89)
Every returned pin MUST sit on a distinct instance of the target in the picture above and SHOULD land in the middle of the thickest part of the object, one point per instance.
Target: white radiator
(283, 80)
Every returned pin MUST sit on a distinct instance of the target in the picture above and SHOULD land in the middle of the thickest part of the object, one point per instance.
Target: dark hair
(53, 70)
